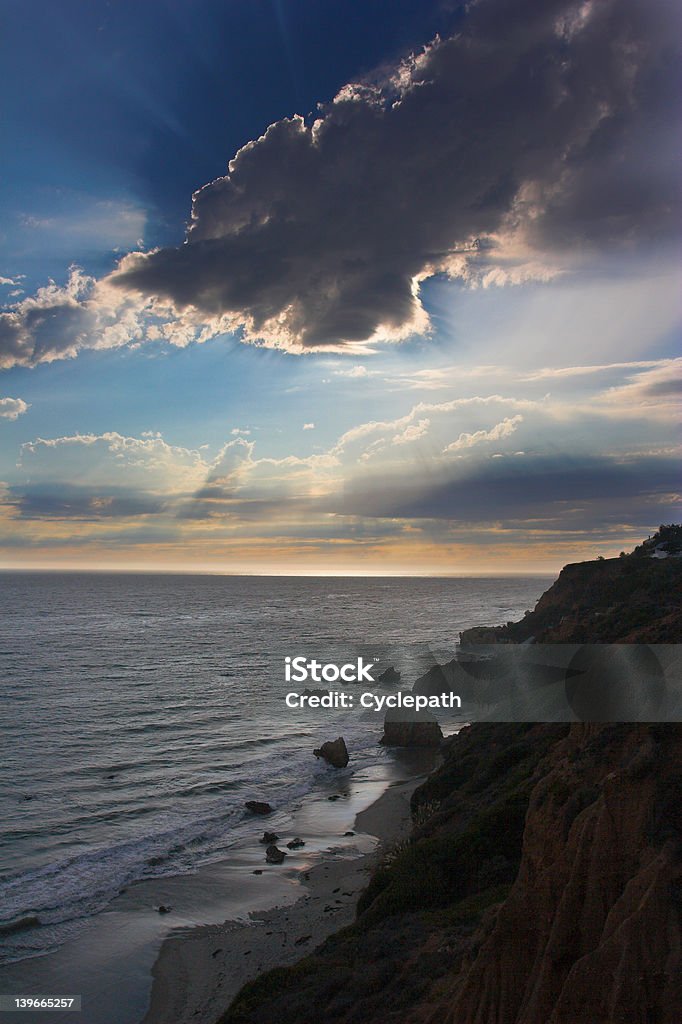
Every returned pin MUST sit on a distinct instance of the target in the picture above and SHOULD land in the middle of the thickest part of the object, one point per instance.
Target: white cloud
(57, 322)
(497, 433)
(61, 320)
(438, 378)
(386, 427)
(354, 372)
(652, 394)
(101, 460)
(12, 408)
(308, 426)
(558, 372)
(412, 432)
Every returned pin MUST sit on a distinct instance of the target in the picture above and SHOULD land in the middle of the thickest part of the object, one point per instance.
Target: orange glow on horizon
(339, 559)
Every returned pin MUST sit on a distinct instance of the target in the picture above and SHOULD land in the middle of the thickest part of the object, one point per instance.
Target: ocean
(140, 712)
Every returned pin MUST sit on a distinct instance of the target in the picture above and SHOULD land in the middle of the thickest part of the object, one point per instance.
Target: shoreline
(110, 957)
(199, 971)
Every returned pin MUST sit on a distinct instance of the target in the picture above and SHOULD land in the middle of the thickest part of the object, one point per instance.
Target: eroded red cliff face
(590, 933)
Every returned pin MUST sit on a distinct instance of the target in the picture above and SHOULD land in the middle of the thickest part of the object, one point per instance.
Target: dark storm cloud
(65, 501)
(546, 121)
(520, 487)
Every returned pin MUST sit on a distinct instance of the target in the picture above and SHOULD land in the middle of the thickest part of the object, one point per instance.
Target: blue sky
(428, 322)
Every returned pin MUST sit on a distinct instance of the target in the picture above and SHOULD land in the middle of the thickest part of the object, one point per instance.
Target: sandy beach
(200, 970)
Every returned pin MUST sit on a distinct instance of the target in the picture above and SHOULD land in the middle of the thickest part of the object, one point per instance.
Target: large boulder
(258, 807)
(403, 728)
(335, 752)
(274, 855)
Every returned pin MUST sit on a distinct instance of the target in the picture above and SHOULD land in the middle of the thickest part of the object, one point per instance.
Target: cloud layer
(437, 459)
(429, 481)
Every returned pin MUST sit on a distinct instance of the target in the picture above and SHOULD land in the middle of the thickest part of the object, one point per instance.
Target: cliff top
(636, 598)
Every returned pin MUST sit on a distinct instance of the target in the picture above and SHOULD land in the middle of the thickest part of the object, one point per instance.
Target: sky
(312, 286)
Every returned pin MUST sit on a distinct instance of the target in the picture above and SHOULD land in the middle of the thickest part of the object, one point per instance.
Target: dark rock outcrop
(269, 838)
(389, 677)
(411, 729)
(295, 844)
(274, 855)
(461, 678)
(258, 807)
(335, 752)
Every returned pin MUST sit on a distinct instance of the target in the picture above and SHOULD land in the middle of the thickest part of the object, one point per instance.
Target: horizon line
(112, 570)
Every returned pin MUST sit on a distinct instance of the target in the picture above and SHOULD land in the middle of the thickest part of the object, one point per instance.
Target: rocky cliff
(625, 600)
(542, 883)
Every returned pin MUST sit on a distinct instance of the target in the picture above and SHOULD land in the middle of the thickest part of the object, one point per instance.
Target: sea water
(140, 712)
